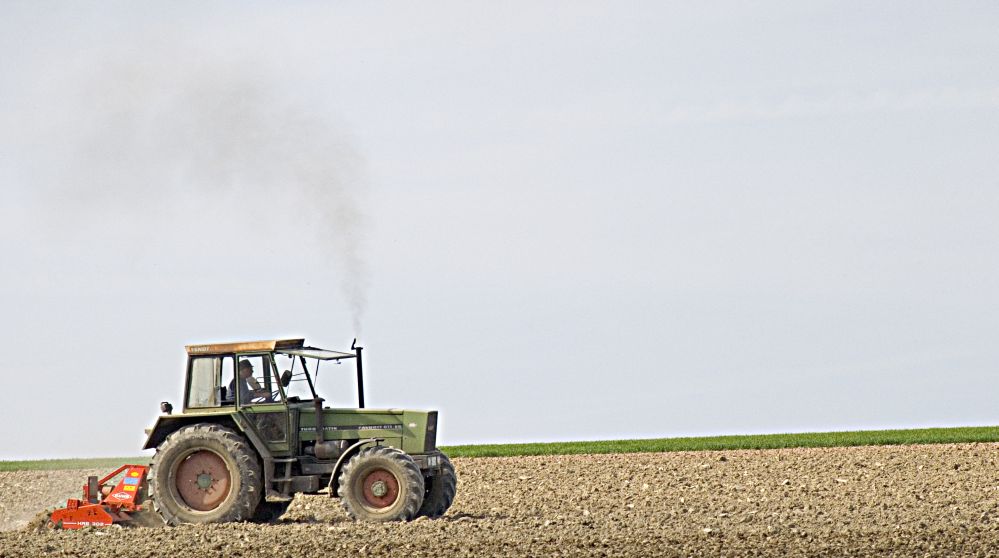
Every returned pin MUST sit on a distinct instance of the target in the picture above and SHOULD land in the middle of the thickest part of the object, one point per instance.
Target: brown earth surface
(940, 500)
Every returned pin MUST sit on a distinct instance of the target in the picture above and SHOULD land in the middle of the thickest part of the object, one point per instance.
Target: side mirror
(285, 378)
(166, 407)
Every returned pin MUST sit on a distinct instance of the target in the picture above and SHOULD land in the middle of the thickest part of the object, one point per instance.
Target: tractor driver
(249, 387)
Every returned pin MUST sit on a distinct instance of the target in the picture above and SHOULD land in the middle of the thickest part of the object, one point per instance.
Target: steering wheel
(274, 396)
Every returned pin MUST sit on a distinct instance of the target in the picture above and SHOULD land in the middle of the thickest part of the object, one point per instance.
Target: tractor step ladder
(284, 480)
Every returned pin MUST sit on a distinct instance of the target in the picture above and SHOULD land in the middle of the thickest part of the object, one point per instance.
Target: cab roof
(244, 346)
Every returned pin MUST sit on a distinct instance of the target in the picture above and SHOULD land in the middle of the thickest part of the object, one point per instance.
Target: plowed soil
(940, 500)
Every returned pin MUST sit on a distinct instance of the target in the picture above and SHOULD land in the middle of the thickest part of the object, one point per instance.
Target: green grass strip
(760, 441)
(109, 463)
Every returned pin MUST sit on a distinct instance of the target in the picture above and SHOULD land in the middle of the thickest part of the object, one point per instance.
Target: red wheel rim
(203, 480)
(380, 489)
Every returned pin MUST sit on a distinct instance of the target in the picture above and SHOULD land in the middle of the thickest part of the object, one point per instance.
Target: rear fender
(168, 424)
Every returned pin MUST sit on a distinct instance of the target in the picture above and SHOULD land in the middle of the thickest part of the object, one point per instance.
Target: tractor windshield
(300, 386)
(304, 367)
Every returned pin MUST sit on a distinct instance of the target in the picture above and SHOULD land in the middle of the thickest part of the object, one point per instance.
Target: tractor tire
(381, 484)
(440, 489)
(205, 473)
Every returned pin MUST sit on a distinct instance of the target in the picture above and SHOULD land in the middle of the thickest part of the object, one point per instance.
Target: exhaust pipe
(360, 374)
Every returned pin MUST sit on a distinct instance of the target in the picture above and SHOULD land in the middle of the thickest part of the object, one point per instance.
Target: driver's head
(245, 369)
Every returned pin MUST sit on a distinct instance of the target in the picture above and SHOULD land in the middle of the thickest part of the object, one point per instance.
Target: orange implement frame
(102, 504)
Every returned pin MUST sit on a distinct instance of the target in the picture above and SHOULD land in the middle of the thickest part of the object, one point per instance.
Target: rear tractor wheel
(381, 484)
(205, 473)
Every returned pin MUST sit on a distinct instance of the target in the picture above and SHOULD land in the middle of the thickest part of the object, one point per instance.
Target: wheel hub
(380, 489)
(203, 481)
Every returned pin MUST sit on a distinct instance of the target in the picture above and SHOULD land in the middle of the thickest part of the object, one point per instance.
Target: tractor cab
(258, 373)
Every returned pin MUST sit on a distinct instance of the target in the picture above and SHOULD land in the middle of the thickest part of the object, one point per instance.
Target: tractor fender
(168, 424)
(347, 454)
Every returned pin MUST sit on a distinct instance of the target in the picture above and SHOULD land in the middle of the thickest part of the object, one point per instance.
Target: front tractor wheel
(440, 489)
(205, 473)
(381, 484)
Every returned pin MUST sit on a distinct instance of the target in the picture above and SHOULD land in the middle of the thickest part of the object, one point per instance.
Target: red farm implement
(104, 503)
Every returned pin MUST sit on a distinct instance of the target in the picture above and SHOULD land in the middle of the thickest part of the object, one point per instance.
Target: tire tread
(440, 490)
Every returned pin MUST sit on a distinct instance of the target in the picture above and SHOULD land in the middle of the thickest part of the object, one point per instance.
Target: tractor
(254, 431)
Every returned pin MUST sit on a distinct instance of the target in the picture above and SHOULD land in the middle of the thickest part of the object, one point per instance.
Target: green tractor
(253, 432)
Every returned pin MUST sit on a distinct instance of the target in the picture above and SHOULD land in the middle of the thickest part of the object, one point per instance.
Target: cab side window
(204, 383)
(228, 396)
(254, 380)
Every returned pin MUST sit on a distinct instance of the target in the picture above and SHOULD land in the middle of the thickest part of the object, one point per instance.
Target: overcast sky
(550, 221)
